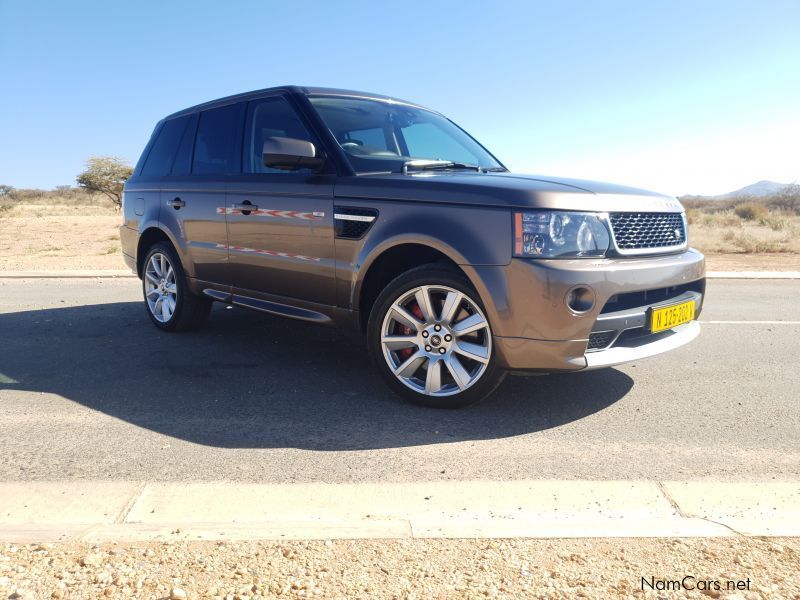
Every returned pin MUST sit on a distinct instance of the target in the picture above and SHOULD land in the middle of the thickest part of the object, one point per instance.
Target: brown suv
(362, 211)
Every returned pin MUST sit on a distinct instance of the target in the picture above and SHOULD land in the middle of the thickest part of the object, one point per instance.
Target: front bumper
(534, 329)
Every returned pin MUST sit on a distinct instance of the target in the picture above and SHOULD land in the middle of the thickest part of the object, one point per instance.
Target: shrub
(774, 222)
(751, 211)
(749, 244)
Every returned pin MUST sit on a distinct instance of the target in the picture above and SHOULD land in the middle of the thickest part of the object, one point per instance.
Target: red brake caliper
(405, 353)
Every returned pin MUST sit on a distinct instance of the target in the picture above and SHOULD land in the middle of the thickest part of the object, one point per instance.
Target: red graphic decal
(268, 212)
(269, 252)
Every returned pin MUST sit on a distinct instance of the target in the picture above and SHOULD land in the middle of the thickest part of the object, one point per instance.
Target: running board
(217, 295)
(274, 308)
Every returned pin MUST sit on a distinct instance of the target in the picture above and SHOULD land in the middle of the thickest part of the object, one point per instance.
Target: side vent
(353, 223)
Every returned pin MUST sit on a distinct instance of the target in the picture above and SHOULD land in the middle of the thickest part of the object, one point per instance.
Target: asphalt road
(90, 390)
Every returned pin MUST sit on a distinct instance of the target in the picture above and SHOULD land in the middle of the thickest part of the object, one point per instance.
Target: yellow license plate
(671, 316)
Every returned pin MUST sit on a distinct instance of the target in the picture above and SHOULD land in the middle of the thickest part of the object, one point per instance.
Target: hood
(504, 190)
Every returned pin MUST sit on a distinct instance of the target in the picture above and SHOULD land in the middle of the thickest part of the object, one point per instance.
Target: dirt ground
(580, 568)
(53, 238)
(753, 262)
(63, 237)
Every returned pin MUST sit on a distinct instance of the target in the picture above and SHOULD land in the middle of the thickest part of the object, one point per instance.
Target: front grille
(600, 339)
(635, 231)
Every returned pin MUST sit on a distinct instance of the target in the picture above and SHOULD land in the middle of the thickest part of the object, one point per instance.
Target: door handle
(246, 207)
(176, 203)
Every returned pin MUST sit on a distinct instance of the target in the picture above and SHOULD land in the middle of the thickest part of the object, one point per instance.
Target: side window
(216, 141)
(426, 140)
(270, 118)
(159, 160)
(183, 159)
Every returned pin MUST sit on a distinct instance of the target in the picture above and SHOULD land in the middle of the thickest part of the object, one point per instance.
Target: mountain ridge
(759, 189)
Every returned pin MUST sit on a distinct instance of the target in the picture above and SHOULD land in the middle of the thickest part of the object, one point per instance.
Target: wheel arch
(150, 236)
(393, 258)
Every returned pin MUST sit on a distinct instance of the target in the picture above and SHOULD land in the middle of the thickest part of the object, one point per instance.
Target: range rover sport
(367, 212)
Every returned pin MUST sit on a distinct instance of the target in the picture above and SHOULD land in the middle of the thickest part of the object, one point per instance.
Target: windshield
(379, 136)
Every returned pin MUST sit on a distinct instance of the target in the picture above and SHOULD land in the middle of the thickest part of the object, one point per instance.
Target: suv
(367, 212)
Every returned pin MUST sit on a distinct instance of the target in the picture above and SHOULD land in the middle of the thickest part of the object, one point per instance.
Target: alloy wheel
(436, 340)
(160, 290)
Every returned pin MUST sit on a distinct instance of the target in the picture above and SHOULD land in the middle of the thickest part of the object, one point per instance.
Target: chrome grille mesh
(643, 231)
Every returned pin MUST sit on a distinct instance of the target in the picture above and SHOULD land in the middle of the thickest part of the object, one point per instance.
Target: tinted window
(215, 145)
(159, 161)
(270, 118)
(183, 159)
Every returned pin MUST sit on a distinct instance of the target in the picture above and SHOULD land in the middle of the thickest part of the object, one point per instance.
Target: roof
(287, 89)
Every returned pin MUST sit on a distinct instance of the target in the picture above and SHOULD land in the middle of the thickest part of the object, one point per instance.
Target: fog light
(580, 299)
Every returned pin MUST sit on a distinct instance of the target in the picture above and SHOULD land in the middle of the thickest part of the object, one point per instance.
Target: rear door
(193, 195)
(280, 223)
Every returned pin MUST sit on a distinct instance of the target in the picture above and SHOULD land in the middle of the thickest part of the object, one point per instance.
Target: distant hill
(759, 189)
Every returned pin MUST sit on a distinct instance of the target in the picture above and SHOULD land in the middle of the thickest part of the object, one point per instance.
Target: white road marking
(751, 322)
(753, 274)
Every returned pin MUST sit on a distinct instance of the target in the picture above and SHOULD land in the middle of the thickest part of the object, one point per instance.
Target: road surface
(89, 389)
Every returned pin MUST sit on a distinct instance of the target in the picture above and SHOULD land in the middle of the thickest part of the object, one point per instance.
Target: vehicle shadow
(248, 380)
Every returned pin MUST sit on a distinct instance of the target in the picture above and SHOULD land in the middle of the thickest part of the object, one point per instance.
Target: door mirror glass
(290, 154)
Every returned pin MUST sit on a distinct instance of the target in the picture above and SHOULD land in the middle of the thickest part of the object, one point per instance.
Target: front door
(280, 223)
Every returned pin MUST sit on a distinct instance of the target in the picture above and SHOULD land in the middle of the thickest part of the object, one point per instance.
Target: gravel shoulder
(476, 568)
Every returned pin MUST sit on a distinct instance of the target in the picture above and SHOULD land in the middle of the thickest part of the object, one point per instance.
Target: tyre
(168, 301)
(429, 337)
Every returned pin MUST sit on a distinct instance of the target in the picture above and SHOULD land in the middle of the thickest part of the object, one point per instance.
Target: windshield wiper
(433, 165)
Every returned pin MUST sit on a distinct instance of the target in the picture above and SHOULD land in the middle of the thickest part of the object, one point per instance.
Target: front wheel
(432, 342)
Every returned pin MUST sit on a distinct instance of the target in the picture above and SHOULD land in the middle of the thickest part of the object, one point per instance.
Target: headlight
(553, 234)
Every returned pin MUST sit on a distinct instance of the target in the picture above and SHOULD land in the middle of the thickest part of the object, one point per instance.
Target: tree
(107, 175)
(5, 190)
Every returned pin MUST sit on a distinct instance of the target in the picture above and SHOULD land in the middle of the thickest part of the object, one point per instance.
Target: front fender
(474, 236)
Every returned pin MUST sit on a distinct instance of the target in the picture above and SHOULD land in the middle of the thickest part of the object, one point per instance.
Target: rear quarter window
(183, 159)
(162, 153)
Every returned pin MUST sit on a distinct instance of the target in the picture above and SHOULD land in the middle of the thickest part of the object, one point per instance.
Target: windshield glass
(380, 136)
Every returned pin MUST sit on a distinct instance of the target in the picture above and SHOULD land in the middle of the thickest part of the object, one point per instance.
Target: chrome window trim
(360, 218)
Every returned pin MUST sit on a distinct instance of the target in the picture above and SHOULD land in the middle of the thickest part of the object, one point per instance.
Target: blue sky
(681, 97)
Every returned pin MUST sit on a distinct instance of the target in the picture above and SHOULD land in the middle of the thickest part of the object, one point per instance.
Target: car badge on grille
(678, 233)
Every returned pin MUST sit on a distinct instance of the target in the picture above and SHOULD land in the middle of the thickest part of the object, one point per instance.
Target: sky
(682, 97)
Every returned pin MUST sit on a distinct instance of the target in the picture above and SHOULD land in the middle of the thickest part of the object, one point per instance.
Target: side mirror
(291, 154)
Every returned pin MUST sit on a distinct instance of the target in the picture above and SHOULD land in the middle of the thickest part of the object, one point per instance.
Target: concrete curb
(106, 273)
(127, 511)
(123, 274)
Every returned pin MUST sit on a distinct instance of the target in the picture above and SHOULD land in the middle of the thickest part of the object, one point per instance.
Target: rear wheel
(168, 301)
(432, 342)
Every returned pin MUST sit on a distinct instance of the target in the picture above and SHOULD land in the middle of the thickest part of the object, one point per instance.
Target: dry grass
(747, 227)
(72, 229)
